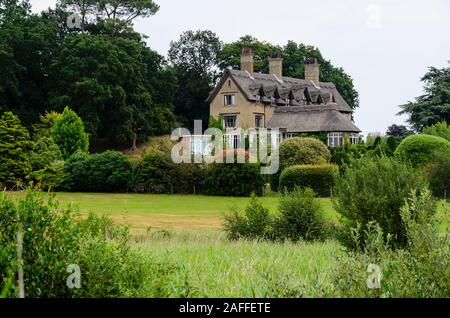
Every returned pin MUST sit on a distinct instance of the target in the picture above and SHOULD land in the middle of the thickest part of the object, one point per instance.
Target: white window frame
(232, 141)
(354, 139)
(335, 139)
(229, 99)
(224, 121)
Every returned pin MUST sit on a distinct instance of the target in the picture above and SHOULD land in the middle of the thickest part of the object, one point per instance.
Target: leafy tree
(27, 45)
(434, 105)
(441, 129)
(294, 56)
(194, 58)
(399, 131)
(15, 145)
(45, 126)
(111, 87)
(45, 152)
(68, 133)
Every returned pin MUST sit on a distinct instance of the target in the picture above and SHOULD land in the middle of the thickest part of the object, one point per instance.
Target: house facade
(244, 99)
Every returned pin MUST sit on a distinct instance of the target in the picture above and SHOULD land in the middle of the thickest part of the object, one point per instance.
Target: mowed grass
(160, 211)
(216, 267)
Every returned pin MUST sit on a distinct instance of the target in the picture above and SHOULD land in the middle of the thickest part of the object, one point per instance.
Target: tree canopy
(433, 106)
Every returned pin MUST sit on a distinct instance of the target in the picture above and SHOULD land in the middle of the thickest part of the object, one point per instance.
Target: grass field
(159, 211)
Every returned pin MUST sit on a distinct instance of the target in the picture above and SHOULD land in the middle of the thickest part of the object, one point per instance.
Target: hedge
(320, 178)
(234, 179)
(420, 149)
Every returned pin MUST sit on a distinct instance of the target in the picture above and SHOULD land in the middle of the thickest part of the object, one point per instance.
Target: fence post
(20, 262)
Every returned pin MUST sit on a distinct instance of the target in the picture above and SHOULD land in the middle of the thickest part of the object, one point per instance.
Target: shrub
(437, 172)
(300, 151)
(15, 146)
(155, 172)
(419, 149)
(54, 239)
(441, 129)
(254, 223)
(234, 179)
(44, 153)
(420, 270)
(152, 173)
(301, 217)
(50, 177)
(374, 189)
(320, 178)
(108, 171)
(68, 133)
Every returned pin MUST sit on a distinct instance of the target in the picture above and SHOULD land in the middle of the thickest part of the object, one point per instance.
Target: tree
(117, 15)
(111, 88)
(294, 56)
(68, 133)
(194, 58)
(434, 105)
(27, 44)
(441, 129)
(399, 131)
(15, 146)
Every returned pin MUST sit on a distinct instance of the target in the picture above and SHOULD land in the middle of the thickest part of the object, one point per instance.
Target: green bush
(234, 179)
(419, 149)
(300, 151)
(54, 238)
(68, 133)
(254, 223)
(374, 189)
(108, 171)
(15, 146)
(437, 172)
(44, 153)
(320, 178)
(155, 172)
(301, 217)
(419, 270)
(50, 177)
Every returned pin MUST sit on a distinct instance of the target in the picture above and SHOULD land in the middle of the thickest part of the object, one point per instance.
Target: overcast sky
(384, 45)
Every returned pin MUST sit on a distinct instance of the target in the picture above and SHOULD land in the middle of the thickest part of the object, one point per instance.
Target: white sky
(385, 45)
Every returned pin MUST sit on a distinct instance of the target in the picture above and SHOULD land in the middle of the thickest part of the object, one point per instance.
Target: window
(354, 139)
(232, 141)
(288, 135)
(229, 121)
(259, 121)
(335, 139)
(228, 100)
(272, 101)
(288, 102)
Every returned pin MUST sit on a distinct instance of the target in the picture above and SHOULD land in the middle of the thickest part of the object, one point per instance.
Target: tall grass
(212, 266)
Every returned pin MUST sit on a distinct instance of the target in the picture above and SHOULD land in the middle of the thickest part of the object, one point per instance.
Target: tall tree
(15, 147)
(194, 58)
(399, 131)
(107, 81)
(294, 56)
(434, 105)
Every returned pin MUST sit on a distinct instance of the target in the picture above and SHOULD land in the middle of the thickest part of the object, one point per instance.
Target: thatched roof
(298, 119)
(270, 89)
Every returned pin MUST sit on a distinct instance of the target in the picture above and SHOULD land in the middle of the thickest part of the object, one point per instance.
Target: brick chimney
(312, 70)
(247, 60)
(276, 66)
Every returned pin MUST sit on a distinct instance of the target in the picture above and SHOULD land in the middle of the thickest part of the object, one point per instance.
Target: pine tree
(15, 146)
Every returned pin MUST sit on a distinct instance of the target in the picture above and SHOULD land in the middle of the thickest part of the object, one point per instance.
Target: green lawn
(158, 211)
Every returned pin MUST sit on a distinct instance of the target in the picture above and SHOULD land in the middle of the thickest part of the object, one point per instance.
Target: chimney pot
(312, 70)
(276, 65)
(247, 60)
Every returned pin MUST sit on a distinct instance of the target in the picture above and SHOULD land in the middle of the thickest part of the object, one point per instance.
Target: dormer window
(258, 98)
(272, 101)
(229, 99)
(288, 101)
